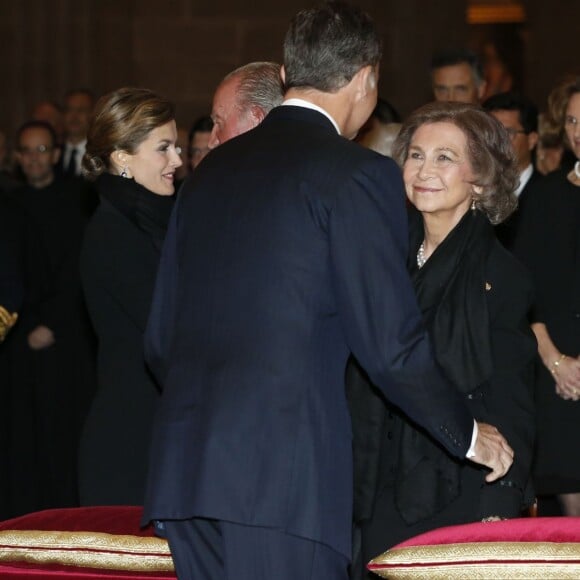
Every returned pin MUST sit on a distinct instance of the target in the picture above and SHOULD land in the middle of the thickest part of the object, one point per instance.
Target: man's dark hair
(37, 125)
(512, 101)
(385, 113)
(453, 56)
(326, 46)
(201, 125)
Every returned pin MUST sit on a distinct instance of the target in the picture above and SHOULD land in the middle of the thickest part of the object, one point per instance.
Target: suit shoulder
(352, 158)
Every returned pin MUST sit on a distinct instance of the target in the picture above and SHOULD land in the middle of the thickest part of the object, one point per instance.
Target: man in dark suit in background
(78, 107)
(519, 116)
(54, 382)
(286, 252)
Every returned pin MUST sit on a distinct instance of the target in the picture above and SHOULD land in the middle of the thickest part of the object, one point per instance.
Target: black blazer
(286, 251)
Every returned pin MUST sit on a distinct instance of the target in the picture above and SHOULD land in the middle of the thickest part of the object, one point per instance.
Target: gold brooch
(7, 321)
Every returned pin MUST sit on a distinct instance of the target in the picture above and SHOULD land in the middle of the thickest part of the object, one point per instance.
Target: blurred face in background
(457, 83)
(77, 115)
(523, 143)
(37, 156)
(572, 124)
(199, 147)
(51, 114)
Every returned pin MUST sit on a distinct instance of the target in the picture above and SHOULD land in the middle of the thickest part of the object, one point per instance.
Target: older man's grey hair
(260, 85)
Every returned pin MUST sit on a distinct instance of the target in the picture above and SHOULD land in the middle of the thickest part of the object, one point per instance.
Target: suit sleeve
(376, 302)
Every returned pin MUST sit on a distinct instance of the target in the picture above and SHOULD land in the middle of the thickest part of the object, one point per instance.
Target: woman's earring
(473, 206)
(124, 172)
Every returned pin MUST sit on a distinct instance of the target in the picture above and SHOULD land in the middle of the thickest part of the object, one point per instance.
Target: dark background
(182, 48)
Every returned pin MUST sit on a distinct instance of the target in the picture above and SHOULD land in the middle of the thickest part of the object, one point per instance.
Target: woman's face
(438, 172)
(572, 123)
(154, 163)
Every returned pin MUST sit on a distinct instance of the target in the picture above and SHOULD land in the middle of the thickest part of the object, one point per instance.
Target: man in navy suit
(285, 253)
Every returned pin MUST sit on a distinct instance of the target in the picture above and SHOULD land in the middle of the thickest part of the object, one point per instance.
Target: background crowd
(86, 194)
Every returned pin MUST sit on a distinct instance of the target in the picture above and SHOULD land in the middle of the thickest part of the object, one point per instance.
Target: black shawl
(450, 289)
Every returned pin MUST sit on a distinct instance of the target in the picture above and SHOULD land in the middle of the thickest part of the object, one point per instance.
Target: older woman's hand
(567, 376)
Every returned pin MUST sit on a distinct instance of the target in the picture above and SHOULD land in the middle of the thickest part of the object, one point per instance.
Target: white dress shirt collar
(525, 176)
(308, 105)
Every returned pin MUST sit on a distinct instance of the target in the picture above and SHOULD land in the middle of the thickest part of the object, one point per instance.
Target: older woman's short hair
(121, 121)
(489, 150)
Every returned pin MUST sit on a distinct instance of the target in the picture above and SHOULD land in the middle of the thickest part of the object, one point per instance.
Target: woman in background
(459, 174)
(549, 245)
(131, 154)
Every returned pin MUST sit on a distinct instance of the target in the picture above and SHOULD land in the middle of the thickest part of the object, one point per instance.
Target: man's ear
(366, 80)
(283, 74)
(372, 80)
(532, 140)
(257, 114)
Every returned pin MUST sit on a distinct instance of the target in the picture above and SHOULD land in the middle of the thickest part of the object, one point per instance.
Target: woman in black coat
(459, 174)
(132, 155)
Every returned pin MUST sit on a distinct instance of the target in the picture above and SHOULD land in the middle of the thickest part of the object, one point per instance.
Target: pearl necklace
(421, 255)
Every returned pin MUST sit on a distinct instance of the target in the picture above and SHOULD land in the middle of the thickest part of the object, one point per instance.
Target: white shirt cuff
(471, 451)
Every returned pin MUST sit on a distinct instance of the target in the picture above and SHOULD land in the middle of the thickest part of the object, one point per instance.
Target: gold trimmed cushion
(86, 550)
(78, 537)
(519, 548)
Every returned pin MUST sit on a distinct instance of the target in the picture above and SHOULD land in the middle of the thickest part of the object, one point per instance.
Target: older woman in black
(459, 175)
(132, 155)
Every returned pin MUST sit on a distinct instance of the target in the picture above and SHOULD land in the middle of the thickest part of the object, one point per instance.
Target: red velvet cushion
(89, 543)
(518, 548)
(105, 519)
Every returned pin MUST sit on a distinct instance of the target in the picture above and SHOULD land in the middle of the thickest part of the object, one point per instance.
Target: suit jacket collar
(535, 179)
(300, 115)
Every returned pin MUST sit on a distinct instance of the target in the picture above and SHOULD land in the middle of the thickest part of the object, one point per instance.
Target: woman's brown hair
(122, 120)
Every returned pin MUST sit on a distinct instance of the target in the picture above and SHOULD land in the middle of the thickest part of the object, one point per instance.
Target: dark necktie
(71, 168)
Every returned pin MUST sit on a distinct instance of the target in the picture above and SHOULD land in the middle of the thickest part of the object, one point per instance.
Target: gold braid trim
(523, 571)
(7, 321)
(481, 560)
(86, 549)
